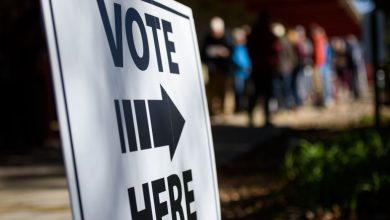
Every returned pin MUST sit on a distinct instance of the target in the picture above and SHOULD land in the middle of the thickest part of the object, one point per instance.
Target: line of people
(283, 68)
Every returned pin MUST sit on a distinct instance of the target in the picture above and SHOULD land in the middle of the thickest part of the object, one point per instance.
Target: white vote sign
(132, 109)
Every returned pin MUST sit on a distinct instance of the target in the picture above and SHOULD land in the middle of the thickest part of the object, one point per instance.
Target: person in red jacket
(322, 69)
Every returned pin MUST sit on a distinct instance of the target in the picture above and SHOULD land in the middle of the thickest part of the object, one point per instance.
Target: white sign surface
(132, 108)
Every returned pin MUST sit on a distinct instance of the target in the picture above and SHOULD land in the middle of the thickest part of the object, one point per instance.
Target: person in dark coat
(261, 48)
(216, 54)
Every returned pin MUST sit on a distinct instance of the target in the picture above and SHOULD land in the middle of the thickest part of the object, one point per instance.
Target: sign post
(131, 103)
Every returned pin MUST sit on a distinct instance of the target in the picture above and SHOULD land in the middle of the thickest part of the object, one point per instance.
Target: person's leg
(239, 87)
(253, 97)
(327, 85)
(318, 86)
(355, 84)
(252, 102)
(210, 91)
(307, 89)
(287, 91)
(300, 88)
(268, 94)
(266, 108)
(277, 88)
(295, 88)
(228, 88)
(348, 76)
(220, 86)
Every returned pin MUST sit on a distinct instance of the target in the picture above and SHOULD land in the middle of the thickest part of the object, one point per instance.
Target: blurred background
(299, 101)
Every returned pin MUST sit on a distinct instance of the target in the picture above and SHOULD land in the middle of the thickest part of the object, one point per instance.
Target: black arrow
(167, 122)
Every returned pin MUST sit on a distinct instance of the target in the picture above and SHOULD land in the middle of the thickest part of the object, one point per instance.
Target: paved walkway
(342, 114)
(33, 192)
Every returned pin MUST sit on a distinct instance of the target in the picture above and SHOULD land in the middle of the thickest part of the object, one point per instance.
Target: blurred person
(261, 48)
(304, 78)
(286, 62)
(216, 54)
(322, 81)
(242, 67)
(297, 74)
(357, 65)
(342, 63)
(327, 75)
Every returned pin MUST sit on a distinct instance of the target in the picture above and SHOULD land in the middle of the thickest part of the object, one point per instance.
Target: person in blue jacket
(242, 67)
